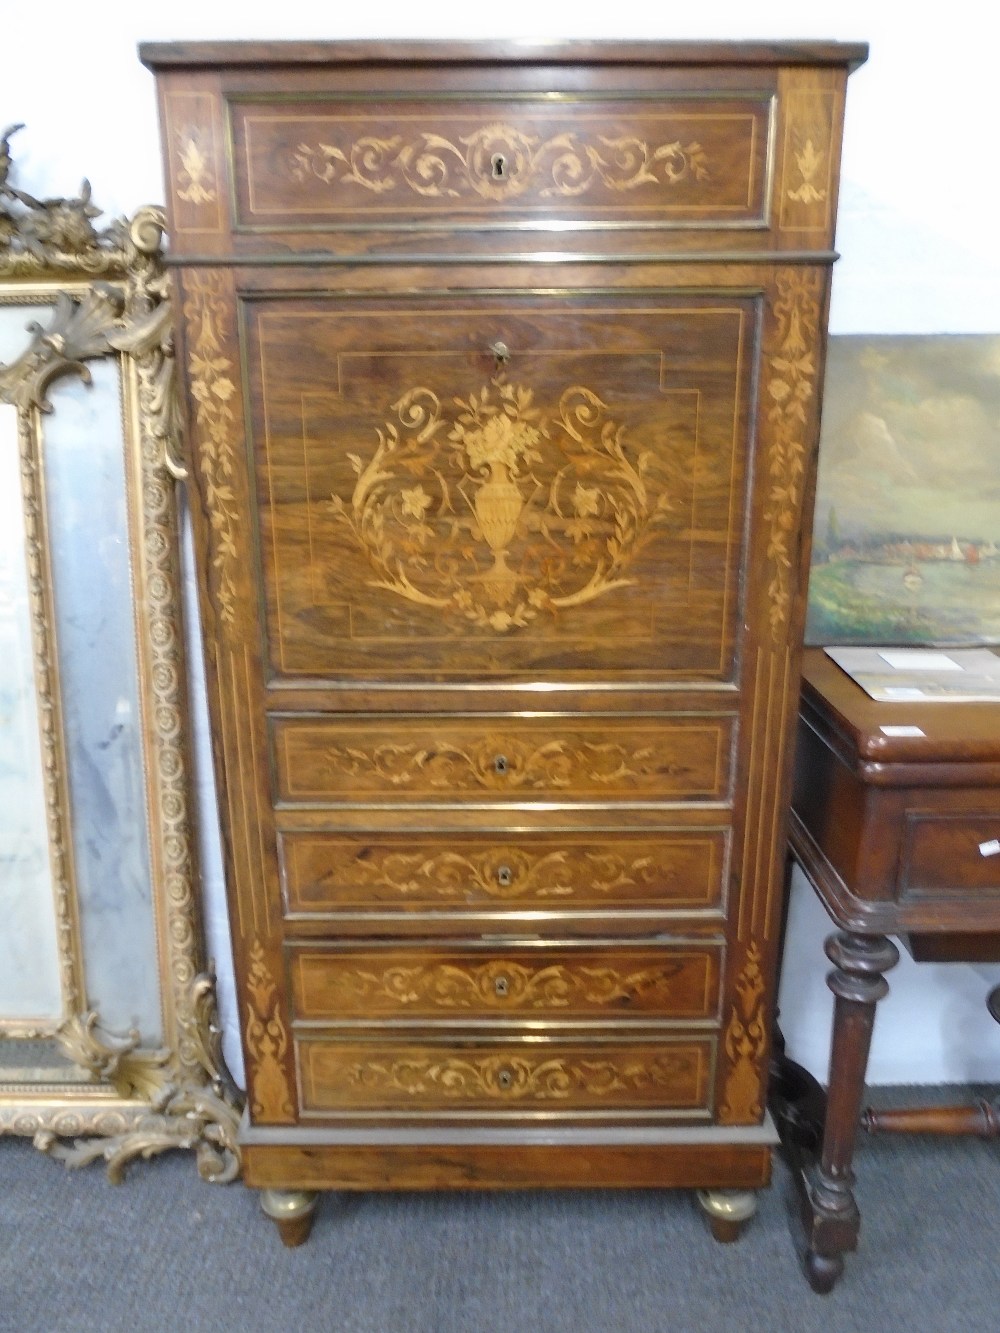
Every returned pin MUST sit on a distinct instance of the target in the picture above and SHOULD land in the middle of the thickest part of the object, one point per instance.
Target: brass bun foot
(292, 1211)
(728, 1212)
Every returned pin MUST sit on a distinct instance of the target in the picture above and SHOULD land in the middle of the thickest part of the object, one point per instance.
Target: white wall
(918, 232)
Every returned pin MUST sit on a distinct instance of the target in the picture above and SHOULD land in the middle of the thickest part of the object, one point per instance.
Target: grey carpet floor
(164, 1251)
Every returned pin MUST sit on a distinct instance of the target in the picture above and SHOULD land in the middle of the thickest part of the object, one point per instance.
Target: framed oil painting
(906, 545)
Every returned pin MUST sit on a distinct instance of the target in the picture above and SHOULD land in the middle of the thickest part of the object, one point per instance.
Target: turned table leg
(292, 1211)
(831, 1213)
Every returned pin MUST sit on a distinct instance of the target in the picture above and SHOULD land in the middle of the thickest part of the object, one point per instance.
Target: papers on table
(922, 675)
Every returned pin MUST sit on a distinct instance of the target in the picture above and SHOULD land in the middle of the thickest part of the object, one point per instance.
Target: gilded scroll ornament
(213, 384)
(266, 1044)
(500, 984)
(496, 511)
(138, 1100)
(790, 386)
(745, 1044)
(176, 1107)
(57, 233)
(500, 162)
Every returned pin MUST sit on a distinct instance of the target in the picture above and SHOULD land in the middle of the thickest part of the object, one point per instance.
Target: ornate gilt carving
(500, 162)
(499, 511)
(790, 385)
(745, 1044)
(58, 233)
(212, 377)
(179, 1095)
(174, 1109)
(499, 984)
(266, 1044)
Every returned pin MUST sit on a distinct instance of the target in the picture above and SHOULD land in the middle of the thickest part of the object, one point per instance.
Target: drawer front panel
(950, 854)
(390, 162)
(503, 1077)
(330, 873)
(329, 985)
(505, 759)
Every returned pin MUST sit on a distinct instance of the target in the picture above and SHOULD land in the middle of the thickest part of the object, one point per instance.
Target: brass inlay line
(754, 779)
(778, 814)
(268, 906)
(546, 258)
(231, 728)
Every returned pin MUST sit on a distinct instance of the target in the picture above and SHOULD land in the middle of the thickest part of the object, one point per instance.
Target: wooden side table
(898, 834)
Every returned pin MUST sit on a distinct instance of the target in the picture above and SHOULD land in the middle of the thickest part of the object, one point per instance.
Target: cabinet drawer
(329, 874)
(497, 1076)
(942, 854)
(561, 982)
(391, 162)
(500, 758)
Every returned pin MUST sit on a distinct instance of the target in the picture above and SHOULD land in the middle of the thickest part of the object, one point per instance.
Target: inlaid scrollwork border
(109, 297)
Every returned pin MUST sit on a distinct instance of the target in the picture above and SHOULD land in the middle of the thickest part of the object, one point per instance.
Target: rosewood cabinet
(503, 374)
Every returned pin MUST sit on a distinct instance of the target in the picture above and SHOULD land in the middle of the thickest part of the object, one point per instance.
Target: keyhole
(500, 764)
(499, 165)
(505, 877)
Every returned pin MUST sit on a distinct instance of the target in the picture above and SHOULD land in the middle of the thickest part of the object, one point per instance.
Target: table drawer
(504, 1077)
(330, 874)
(321, 760)
(558, 981)
(950, 854)
(386, 161)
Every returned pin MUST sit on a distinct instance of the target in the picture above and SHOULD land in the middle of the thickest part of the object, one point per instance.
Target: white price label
(991, 848)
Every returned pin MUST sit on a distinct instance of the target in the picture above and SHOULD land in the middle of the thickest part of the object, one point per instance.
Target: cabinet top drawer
(325, 163)
(323, 147)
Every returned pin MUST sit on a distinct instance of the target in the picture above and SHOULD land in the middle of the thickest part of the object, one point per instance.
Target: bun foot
(292, 1212)
(823, 1271)
(728, 1212)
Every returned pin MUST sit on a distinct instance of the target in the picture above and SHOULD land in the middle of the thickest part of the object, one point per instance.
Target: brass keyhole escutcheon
(501, 986)
(505, 1079)
(499, 165)
(505, 877)
(500, 764)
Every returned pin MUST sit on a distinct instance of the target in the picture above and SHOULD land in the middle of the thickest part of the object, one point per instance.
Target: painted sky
(911, 437)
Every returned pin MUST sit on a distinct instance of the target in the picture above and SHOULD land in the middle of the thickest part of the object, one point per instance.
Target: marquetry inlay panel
(335, 873)
(574, 500)
(496, 1077)
(394, 160)
(333, 985)
(510, 759)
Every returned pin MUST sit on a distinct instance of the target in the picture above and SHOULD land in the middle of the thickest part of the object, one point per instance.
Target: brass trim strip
(312, 259)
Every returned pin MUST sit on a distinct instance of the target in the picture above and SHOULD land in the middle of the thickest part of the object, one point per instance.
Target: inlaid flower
(415, 503)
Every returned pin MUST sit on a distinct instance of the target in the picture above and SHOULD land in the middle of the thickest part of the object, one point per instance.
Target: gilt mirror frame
(104, 296)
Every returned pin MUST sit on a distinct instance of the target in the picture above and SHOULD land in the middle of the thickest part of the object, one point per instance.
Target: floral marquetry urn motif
(516, 510)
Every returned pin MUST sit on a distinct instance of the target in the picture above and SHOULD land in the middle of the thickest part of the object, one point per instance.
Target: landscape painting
(906, 544)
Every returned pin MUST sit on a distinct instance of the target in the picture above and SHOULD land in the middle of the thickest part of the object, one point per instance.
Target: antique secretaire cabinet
(503, 367)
